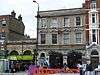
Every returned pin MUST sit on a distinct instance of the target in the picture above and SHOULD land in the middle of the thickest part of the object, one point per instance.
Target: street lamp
(38, 16)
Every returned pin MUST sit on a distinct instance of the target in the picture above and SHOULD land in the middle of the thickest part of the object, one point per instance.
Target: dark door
(94, 61)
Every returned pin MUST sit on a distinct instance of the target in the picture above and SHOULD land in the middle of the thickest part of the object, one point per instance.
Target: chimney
(20, 17)
(13, 14)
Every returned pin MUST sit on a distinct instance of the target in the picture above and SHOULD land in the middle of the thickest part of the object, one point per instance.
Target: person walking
(89, 69)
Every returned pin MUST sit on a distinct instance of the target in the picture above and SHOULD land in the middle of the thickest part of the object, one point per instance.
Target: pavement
(67, 74)
(19, 73)
(24, 73)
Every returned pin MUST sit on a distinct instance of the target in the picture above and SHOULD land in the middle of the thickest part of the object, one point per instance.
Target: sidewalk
(67, 74)
(27, 74)
(19, 73)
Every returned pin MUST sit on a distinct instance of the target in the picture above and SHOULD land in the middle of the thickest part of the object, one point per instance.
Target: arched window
(74, 58)
(94, 52)
(42, 55)
(14, 53)
(27, 52)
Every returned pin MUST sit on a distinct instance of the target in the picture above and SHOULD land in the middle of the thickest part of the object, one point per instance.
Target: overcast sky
(28, 10)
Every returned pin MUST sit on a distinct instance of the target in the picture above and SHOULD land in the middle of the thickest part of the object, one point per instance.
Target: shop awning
(20, 57)
(2, 57)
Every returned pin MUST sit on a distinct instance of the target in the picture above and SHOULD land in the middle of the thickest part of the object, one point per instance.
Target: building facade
(76, 29)
(93, 31)
(14, 45)
(20, 54)
(62, 31)
(21, 50)
(11, 28)
(20, 47)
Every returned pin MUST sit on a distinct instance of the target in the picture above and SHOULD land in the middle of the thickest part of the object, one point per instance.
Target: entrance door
(94, 59)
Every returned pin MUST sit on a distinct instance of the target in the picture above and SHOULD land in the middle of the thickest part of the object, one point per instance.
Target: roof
(62, 12)
(4, 16)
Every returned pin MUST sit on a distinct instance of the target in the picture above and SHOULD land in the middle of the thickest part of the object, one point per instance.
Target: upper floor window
(78, 37)
(54, 38)
(93, 5)
(3, 23)
(93, 1)
(2, 36)
(78, 21)
(54, 23)
(43, 21)
(66, 22)
(66, 38)
(94, 35)
(93, 18)
(43, 38)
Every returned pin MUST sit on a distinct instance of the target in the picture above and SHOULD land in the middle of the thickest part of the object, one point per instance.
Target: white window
(93, 18)
(78, 37)
(54, 23)
(93, 1)
(66, 22)
(93, 5)
(3, 23)
(43, 38)
(2, 36)
(66, 38)
(43, 22)
(54, 38)
(78, 21)
(94, 35)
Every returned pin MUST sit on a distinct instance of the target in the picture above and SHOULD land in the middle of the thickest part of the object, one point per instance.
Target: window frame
(78, 21)
(54, 22)
(93, 5)
(66, 38)
(4, 24)
(43, 38)
(54, 38)
(94, 35)
(43, 22)
(78, 37)
(93, 18)
(66, 21)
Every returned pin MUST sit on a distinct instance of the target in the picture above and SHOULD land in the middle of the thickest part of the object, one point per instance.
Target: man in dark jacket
(89, 69)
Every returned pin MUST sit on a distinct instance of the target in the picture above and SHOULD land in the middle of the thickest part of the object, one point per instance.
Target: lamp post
(37, 29)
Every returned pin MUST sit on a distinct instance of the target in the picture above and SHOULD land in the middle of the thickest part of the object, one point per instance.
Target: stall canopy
(20, 57)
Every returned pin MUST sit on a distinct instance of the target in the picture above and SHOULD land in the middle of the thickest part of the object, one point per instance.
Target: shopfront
(20, 62)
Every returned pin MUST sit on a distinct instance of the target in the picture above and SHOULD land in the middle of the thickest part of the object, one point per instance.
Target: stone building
(76, 29)
(93, 31)
(18, 54)
(62, 31)
(11, 28)
(22, 47)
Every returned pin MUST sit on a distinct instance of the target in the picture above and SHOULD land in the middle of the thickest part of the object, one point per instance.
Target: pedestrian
(89, 69)
(81, 71)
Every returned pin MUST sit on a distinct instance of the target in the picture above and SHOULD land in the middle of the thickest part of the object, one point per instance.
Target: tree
(74, 58)
(35, 56)
(55, 59)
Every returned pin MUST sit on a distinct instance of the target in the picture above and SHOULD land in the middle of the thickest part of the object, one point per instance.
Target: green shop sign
(20, 57)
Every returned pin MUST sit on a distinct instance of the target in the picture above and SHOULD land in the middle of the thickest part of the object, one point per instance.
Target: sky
(28, 10)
